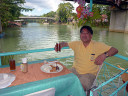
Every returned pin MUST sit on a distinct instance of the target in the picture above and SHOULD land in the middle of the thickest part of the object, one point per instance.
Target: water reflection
(11, 40)
(39, 36)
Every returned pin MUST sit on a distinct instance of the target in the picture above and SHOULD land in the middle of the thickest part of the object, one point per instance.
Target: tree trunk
(0, 26)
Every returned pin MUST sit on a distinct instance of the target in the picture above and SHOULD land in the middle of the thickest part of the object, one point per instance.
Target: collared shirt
(84, 57)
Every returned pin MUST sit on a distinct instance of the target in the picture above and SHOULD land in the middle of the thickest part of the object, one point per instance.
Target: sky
(44, 6)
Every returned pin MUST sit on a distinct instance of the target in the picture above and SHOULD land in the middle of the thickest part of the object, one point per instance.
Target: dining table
(64, 82)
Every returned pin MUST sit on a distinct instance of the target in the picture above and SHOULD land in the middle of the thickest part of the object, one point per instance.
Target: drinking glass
(12, 65)
(58, 47)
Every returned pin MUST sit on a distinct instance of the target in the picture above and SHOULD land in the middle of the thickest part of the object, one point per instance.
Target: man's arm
(62, 44)
(100, 59)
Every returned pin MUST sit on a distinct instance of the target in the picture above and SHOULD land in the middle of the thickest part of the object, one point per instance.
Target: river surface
(39, 36)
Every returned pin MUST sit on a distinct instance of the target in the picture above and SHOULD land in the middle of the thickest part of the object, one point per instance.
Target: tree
(64, 12)
(10, 10)
(50, 14)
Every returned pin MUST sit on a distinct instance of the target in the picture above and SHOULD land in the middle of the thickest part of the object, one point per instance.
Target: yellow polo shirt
(84, 57)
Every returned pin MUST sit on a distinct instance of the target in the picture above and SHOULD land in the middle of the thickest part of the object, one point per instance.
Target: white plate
(6, 79)
(46, 68)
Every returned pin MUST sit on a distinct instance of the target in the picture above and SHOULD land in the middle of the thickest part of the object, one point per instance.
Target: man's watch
(106, 54)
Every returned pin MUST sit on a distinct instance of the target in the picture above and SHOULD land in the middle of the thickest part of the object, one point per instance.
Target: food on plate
(47, 68)
(54, 68)
(57, 68)
(51, 68)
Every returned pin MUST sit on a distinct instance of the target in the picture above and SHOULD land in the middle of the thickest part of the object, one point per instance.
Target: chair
(46, 92)
(94, 83)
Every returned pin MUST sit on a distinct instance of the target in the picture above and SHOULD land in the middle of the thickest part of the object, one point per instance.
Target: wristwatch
(106, 54)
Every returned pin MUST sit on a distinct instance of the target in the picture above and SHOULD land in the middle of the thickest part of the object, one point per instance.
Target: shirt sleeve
(72, 45)
(103, 47)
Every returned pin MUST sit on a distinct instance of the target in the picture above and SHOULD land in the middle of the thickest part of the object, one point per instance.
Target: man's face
(85, 36)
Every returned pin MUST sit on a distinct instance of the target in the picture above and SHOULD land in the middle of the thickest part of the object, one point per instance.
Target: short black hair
(88, 28)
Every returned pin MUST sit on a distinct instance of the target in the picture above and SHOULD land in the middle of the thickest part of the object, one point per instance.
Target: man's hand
(100, 59)
(57, 47)
(60, 45)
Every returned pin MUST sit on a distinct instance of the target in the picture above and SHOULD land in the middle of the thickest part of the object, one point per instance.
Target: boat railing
(113, 86)
(105, 78)
(109, 83)
(116, 91)
(27, 51)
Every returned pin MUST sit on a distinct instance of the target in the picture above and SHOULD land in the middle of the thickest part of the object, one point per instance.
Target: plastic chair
(46, 92)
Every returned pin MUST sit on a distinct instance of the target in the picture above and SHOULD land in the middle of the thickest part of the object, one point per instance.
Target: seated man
(88, 54)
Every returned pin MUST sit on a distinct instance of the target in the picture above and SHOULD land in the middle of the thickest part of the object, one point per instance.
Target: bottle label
(22, 67)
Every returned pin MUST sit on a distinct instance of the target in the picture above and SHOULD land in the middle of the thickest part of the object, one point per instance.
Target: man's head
(86, 33)
(88, 28)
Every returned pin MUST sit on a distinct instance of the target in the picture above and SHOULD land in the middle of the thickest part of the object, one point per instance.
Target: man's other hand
(100, 59)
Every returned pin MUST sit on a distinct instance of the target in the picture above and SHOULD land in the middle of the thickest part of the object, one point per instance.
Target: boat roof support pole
(91, 2)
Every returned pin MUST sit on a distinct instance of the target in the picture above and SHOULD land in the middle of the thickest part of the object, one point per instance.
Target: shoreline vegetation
(64, 14)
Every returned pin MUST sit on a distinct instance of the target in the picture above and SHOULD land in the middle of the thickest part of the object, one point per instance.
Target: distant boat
(2, 35)
(124, 77)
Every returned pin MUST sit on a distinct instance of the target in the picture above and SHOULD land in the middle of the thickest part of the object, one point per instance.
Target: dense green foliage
(100, 10)
(50, 14)
(10, 10)
(64, 12)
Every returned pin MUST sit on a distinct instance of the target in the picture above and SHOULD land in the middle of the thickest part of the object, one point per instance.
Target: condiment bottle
(24, 65)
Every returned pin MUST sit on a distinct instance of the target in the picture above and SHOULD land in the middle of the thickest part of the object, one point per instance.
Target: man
(88, 54)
